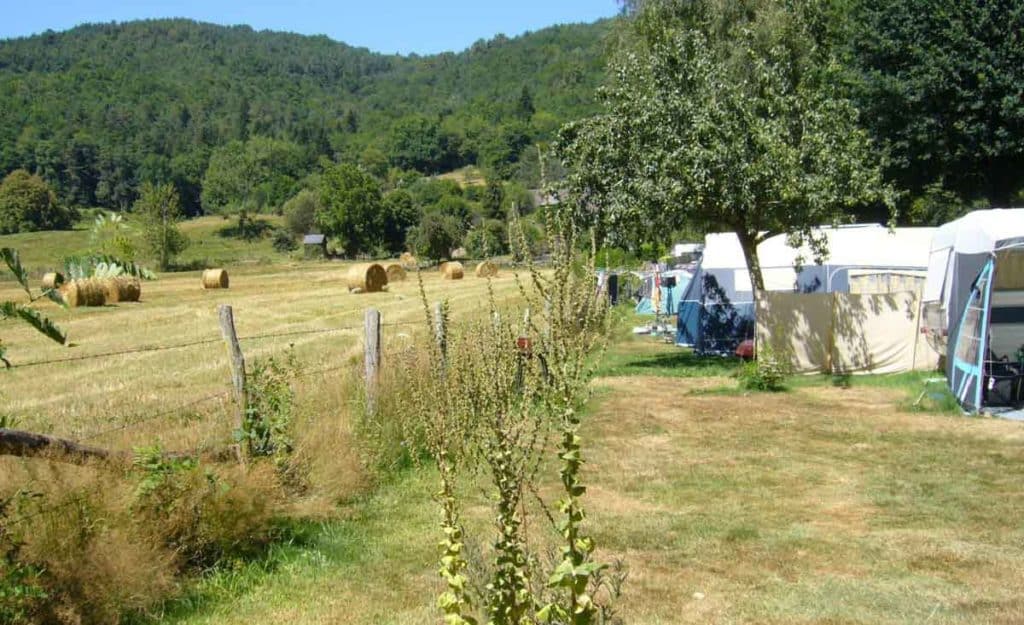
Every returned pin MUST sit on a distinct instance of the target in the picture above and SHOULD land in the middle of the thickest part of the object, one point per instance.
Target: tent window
(970, 342)
(969, 346)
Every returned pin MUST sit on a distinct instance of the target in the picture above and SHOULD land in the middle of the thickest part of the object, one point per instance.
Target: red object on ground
(745, 350)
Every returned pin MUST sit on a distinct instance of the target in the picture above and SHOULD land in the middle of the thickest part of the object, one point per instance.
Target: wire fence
(138, 420)
(196, 343)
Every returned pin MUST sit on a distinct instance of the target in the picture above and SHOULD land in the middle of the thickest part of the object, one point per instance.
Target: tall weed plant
(498, 398)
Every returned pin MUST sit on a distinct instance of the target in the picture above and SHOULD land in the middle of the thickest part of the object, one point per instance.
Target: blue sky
(403, 26)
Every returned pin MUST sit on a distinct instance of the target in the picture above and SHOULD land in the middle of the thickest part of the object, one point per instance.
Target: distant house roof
(314, 239)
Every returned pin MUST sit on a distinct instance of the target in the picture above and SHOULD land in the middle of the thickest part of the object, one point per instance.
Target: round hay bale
(215, 279)
(486, 269)
(407, 260)
(53, 280)
(396, 273)
(366, 277)
(122, 289)
(452, 270)
(85, 292)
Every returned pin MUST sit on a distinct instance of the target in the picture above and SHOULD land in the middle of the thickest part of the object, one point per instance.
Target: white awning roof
(861, 246)
(982, 231)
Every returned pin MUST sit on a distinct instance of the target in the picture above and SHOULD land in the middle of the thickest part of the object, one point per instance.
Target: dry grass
(85, 396)
(108, 555)
(822, 505)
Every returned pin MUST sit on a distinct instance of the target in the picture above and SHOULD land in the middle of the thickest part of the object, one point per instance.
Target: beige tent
(844, 332)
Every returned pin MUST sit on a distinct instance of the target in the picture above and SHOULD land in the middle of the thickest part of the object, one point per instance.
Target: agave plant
(103, 266)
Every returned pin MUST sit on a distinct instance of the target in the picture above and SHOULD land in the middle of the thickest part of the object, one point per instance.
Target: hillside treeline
(99, 109)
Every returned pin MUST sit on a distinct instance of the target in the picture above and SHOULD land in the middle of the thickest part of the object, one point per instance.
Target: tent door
(968, 369)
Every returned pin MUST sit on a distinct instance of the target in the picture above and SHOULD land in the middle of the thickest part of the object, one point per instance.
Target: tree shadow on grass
(678, 363)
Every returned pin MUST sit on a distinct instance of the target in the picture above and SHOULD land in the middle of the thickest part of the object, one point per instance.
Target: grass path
(822, 505)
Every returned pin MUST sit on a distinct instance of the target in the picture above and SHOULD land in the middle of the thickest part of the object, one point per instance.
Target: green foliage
(27, 204)
(300, 212)
(419, 143)
(27, 314)
(111, 235)
(939, 84)
(252, 176)
(103, 266)
(199, 516)
(22, 592)
(763, 374)
(95, 127)
(722, 116)
(284, 241)
(266, 429)
(493, 200)
(400, 214)
(489, 238)
(436, 236)
(351, 208)
(159, 211)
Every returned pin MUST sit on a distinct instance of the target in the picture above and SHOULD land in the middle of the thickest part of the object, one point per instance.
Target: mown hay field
(75, 398)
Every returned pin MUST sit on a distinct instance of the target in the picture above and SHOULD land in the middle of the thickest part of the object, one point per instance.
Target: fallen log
(31, 445)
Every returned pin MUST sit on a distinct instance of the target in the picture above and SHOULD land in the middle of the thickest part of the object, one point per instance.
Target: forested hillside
(99, 109)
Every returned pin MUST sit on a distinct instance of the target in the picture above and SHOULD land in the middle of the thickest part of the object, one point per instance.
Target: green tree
(400, 214)
(300, 212)
(493, 199)
(417, 142)
(489, 238)
(436, 236)
(247, 177)
(159, 211)
(722, 116)
(350, 208)
(940, 85)
(28, 204)
(524, 106)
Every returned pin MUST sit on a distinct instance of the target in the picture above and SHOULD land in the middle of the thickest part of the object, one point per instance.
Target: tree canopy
(95, 125)
(721, 116)
(941, 86)
(27, 204)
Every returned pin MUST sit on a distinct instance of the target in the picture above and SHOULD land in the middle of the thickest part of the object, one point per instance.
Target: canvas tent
(974, 306)
(668, 295)
(717, 310)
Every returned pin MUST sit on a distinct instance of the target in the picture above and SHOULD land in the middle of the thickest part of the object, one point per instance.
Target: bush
(490, 238)
(436, 236)
(766, 373)
(284, 241)
(300, 212)
(27, 204)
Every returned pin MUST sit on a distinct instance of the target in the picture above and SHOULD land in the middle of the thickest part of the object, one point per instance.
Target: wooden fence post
(237, 361)
(372, 354)
(440, 330)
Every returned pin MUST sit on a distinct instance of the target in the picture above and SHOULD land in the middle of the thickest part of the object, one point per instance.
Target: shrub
(300, 212)
(28, 204)
(490, 238)
(766, 373)
(284, 241)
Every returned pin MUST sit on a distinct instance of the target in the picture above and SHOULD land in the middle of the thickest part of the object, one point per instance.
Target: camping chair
(1003, 381)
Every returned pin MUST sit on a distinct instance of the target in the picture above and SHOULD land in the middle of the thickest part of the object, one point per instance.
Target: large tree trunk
(748, 242)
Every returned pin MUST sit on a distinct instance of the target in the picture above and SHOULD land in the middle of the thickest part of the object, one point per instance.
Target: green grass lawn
(829, 503)
(43, 251)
